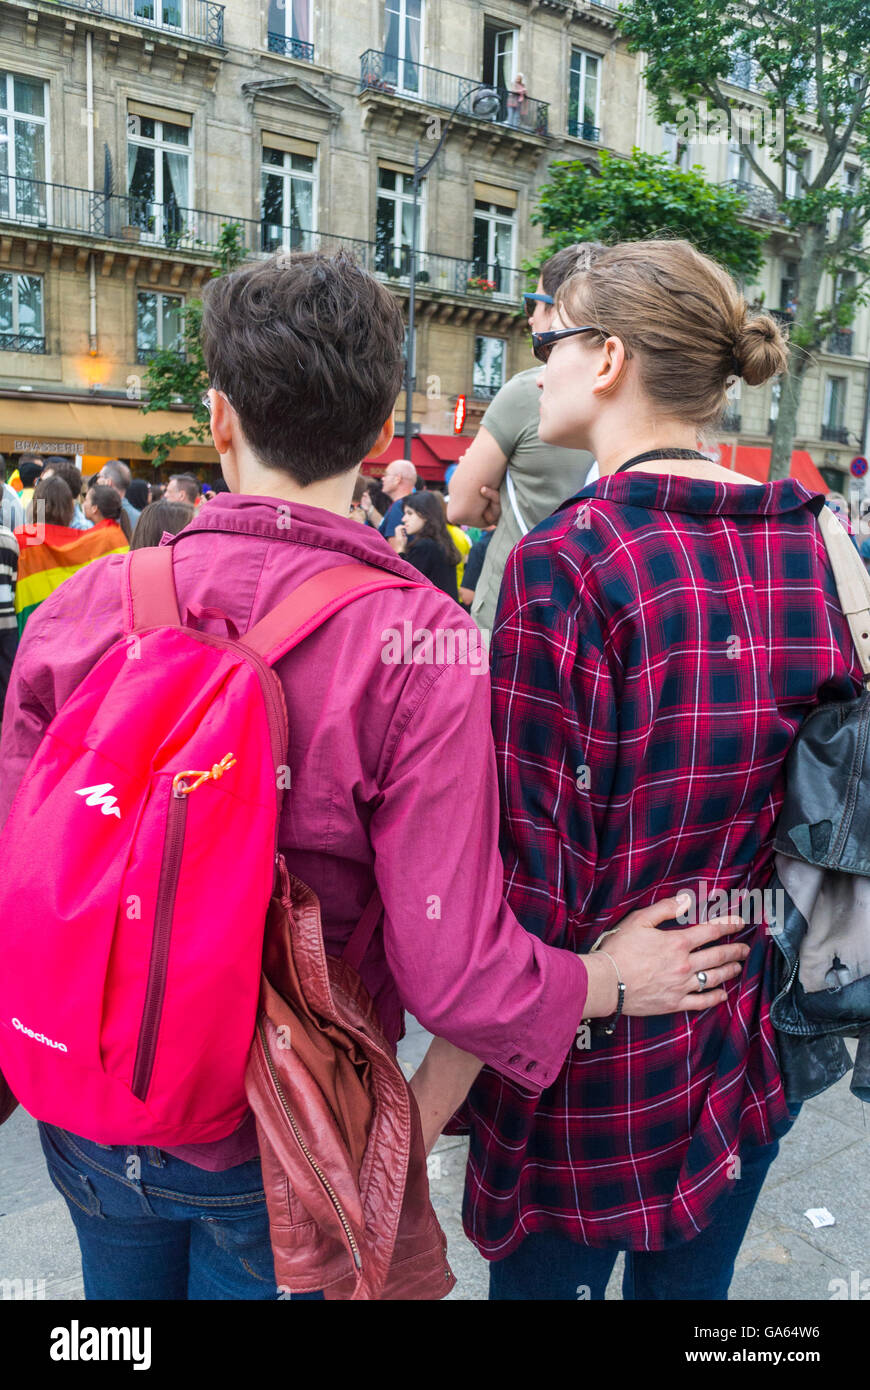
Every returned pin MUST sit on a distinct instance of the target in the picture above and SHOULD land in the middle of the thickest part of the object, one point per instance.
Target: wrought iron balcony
(837, 434)
(291, 48)
(732, 422)
(760, 202)
(841, 342)
(21, 342)
(783, 316)
(400, 77)
(485, 393)
(449, 274)
(201, 20)
(582, 130)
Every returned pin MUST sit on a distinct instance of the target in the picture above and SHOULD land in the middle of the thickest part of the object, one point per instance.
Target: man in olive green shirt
(532, 478)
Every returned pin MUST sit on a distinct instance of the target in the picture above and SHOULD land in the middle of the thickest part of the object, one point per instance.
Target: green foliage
(646, 196)
(174, 376)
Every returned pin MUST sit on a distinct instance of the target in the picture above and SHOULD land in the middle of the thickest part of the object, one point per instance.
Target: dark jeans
(153, 1227)
(550, 1266)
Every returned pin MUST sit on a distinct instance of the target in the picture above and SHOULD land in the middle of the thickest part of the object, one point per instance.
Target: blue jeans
(153, 1227)
(550, 1266)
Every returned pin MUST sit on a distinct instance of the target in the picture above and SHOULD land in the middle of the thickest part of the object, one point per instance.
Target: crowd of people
(616, 754)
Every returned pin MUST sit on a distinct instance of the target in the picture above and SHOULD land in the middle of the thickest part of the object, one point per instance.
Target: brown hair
(561, 266)
(107, 501)
(158, 517)
(684, 317)
(59, 503)
(309, 352)
(66, 469)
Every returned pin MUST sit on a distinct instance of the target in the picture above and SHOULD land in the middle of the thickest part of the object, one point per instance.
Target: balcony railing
(837, 434)
(21, 342)
(760, 202)
(201, 20)
(582, 130)
(732, 422)
(841, 342)
(783, 316)
(30, 203)
(291, 48)
(485, 393)
(400, 77)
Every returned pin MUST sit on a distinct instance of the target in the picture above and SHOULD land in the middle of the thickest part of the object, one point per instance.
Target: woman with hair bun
(658, 642)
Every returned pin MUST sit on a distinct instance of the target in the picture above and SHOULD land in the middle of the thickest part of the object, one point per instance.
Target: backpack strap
(363, 931)
(303, 611)
(853, 583)
(148, 588)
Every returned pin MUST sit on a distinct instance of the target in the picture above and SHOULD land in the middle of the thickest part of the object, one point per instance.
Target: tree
(627, 199)
(806, 67)
(179, 374)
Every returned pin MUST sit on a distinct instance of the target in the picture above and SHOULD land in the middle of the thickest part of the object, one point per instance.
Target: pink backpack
(138, 863)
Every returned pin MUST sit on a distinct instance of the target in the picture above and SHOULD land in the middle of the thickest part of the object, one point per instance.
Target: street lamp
(484, 103)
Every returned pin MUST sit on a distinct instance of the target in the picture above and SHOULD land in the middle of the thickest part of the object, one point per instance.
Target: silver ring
(702, 978)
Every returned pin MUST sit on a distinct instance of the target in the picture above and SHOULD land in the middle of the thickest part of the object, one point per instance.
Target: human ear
(385, 438)
(611, 367)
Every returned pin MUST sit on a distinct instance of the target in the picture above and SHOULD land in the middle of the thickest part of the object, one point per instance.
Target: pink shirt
(392, 777)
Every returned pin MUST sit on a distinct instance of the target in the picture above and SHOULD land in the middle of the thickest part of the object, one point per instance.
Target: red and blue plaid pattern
(655, 650)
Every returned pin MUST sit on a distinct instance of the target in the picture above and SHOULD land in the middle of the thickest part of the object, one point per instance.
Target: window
(795, 162)
(674, 147)
(493, 250)
(289, 196)
(835, 404)
(741, 70)
(164, 14)
(775, 398)
(158, 177)
(739, 167)
(22, 325)
(290, 29)
(395, 210)
(851, 188)
(23, 148)
(402, 44)
(489, 366)
(158, 323)
(499, 56)
(584, 95)
(788, 287)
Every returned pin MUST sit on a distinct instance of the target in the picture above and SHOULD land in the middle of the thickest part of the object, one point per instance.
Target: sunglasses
(543, 343)
(530, 300)
(206, 399)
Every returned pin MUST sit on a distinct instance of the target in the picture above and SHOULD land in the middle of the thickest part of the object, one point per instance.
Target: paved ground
(824, 1162)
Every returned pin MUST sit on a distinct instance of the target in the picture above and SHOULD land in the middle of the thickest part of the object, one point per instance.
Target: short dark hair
(137, 493)
(309, 351)
(120, 474)
(561, 266)
(188, 484)
(107, 501)
(29, 470)
(158, 517)
(66, 469)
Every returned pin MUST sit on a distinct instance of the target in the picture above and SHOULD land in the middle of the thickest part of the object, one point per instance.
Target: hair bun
(760, 349)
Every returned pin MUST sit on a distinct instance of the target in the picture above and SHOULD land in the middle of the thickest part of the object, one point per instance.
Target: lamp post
(484, 103)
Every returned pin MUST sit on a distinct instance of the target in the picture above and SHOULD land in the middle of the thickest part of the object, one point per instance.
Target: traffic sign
(858, 467)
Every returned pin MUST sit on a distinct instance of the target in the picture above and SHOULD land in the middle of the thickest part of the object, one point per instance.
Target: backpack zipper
(167, 888)
(307, 1152)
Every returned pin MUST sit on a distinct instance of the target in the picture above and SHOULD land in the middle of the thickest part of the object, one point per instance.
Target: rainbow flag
(50, 554)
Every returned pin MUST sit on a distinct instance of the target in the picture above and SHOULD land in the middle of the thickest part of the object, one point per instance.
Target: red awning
(756, 463)
(448, 447)
(428, 465)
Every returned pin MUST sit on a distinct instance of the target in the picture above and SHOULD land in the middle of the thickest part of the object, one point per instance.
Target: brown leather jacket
(344, 1166)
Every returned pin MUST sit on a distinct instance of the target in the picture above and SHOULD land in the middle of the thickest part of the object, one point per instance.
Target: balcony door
(403, 45)
(158, 178)
(835, 406)
(394, 225)
(290, 28)
(24, 194)
(584, 95)
(164, 14)
(289, 195)
(493, 250)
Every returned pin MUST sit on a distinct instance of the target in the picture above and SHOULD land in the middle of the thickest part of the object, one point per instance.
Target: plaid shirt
(655, 650)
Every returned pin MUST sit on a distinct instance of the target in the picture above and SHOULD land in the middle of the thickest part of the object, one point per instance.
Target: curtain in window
(301, 18)
(175, 192)
(30, 170)
(30, 306)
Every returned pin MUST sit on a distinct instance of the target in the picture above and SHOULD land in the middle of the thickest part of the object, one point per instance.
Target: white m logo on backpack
(97, 797)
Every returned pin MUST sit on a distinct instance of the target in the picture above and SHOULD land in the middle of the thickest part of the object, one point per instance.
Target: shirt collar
(270, 518)
(679, 494)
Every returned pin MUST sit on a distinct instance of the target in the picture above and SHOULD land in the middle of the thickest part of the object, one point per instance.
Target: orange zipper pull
(178, 782)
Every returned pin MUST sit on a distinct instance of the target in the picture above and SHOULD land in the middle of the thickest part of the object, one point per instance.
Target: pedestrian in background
(139, 493)
(103, 504)
(66, 469)
(508, 454)
(117, 475)
(8, 621)
(160, 517)
(398, 482)
(424, 541)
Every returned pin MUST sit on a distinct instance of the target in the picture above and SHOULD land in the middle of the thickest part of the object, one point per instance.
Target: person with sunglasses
(658, 642)
(508, 456)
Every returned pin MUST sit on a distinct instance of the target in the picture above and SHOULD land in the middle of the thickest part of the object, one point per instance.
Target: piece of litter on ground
(820, 1216)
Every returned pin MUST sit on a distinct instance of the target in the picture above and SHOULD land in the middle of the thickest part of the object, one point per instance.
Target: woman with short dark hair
(425, 542)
